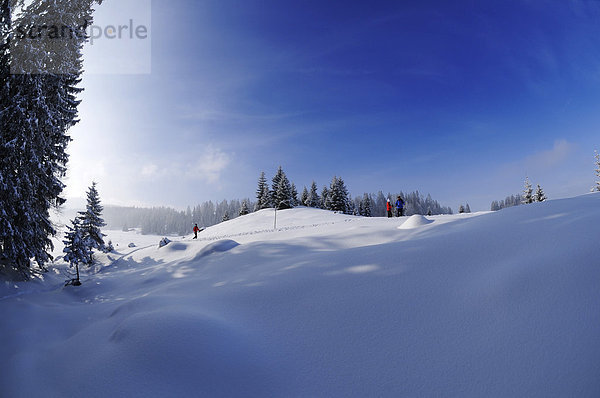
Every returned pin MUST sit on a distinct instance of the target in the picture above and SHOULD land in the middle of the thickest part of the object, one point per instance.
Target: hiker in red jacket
(388, 206)
(196, 230)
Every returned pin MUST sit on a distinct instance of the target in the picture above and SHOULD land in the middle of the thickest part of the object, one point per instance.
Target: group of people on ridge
(399, 207)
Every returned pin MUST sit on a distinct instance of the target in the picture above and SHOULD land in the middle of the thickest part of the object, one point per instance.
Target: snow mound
(217, 247)
(415, 221)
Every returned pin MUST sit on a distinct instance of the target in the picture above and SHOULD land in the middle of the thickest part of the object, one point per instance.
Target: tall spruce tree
(91, 220)
(313, 196)
(281, 191)
(338, 195)
(263, 197)
(282, 194)
(38, 79)
(294, 196)
(304, 197)
(366, 205)
(540, 196)
(244, 209)
(527, 192)
(324, 202)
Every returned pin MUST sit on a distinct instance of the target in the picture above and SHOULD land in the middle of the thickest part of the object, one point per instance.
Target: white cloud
(209, 166)
(548, 159)
(541, 162)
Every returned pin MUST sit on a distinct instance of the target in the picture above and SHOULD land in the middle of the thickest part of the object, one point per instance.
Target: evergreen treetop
(528, 192)
(540, 196)
(91, 219)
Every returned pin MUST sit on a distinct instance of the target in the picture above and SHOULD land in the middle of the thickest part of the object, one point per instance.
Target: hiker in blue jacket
(399, 206)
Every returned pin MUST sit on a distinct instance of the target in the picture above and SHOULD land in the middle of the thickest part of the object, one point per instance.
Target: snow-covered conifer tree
(283, 193)
(77, 248)
(294, 196)
(527, 192)
(313, 196)
(366, 205)
(263, 197)
(324, 199)
(467, 208)
(275, 184)
(304, 197)
(461, 209)
(540, 196)
(225, 217)
(244, 209)
(338, 195)
(38, 87)
(91, 220)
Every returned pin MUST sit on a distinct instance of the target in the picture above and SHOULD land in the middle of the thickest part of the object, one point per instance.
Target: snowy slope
(501, 304)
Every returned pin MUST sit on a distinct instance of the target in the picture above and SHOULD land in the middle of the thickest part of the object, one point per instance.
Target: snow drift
(498, 304)
(415, 221)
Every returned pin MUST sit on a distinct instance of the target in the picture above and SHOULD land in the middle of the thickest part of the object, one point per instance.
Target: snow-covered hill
(503, 304)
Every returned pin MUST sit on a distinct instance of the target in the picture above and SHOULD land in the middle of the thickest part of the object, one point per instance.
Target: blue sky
(458, 99)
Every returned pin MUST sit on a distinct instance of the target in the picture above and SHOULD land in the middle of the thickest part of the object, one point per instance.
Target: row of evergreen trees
(282, 194)
(38, 104)
(527, 197)
(510, 201)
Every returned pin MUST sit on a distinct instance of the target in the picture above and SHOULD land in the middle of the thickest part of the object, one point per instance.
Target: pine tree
(597, 161)
(77, 249)
(338, 195)
(540, 196)
(244, 210)
(366, 205)
(91, 220)
(461, 209)
(527, 192)
(324, 199)
(313, 196)
(304, 197)
(263, 196)
(38, 104)
(294, 196)
(283, 194)
(467, 208)
(225, 217)
(275, 185)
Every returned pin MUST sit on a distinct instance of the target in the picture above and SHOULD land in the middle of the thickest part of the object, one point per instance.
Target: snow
(496, 304)
(415, 221)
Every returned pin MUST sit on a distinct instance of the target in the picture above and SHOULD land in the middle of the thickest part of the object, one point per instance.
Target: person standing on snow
(399, 207)
(388, 206)
(196, 230)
